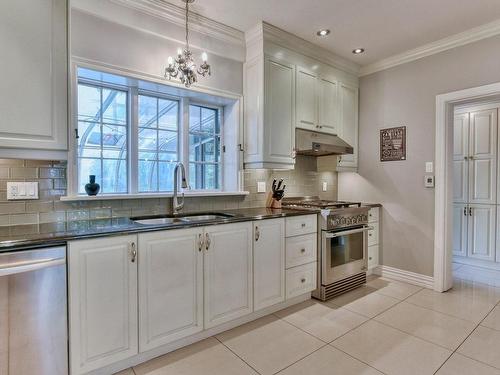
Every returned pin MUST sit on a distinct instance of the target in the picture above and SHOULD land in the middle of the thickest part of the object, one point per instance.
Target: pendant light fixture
(183, 65)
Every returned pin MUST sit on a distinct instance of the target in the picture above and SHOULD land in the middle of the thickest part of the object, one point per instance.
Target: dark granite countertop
(371, 205)
(25, 236)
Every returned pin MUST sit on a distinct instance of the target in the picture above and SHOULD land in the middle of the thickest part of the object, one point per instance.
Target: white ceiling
(383, 27)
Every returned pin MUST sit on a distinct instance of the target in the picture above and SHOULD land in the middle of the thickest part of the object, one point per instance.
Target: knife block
(271, 202)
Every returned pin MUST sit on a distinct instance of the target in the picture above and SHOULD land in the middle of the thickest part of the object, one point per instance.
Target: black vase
(92, 188)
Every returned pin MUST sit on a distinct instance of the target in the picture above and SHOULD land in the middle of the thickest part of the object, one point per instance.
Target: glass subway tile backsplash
(51, 177)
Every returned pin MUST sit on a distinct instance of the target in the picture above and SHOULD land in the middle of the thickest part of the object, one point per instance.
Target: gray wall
(405, 95)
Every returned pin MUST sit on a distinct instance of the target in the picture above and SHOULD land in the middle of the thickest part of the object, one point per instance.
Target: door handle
(257, 233)
(465, 211)
(200, 242)
(470, 211)
(133, 252)
(207, 241)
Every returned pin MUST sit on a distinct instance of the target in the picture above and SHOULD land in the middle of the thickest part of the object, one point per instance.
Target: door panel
(328, 106)
(170, 286)
(228, 277)
(460, 158)
(349, 123)
(460, 219)
(482, 224)
(306, 100)
(483, 152)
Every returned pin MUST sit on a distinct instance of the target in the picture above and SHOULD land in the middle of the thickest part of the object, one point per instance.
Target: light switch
(261, 186)
(22, 190)
(325, 186)
(429, 167)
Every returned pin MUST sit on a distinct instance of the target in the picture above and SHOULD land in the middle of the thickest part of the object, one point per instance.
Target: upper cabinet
(288, 84)
(33, 72)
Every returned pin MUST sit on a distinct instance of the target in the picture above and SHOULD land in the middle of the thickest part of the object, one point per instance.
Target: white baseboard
(406, 276)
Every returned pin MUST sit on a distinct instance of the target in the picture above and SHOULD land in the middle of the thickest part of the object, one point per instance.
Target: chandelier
(183, 65)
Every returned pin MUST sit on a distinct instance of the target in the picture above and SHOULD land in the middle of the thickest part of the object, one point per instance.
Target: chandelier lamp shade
(183, 66)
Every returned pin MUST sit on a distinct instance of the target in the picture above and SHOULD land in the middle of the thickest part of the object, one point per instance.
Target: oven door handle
(344, 233)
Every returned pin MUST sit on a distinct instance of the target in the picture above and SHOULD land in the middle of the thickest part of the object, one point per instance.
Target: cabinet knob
(302, 250)
(303, 280)
(303, 225)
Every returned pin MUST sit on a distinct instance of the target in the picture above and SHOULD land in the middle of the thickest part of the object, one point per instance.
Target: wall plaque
(393, 144)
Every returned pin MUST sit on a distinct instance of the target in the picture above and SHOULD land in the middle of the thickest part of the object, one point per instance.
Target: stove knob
(354, 220)
(348, 221)
(342, 221)
(360, 218)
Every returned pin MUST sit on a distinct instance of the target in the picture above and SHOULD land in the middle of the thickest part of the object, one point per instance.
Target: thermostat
(429, 181)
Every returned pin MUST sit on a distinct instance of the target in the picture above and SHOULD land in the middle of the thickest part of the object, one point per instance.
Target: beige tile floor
(385, 327)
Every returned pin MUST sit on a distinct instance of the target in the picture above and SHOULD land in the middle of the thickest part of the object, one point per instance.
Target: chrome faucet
(177, 204)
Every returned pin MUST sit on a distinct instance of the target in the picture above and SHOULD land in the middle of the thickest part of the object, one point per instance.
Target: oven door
(343, 253)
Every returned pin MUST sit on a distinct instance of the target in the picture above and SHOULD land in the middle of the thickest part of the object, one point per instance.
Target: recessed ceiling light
(323, 32)
(357, 51)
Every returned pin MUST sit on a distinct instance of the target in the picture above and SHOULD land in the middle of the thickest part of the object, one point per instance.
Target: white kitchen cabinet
(170, 286)
(349, 125)
(33, 72)
(102, 301)
(481, 232)
(460, 221)
(307, 100)
(269, 262)
(329, 121)
(269, 113)
(374, 238)
(228, 281)
(460, 158)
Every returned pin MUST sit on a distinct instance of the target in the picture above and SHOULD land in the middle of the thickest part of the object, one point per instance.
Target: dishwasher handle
(346, 232)
(22, 267)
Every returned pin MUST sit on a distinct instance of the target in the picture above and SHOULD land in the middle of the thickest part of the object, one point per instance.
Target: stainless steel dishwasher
(33, 323)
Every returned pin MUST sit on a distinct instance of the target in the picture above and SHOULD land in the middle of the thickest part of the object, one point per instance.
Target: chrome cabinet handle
(470, 211)
(208, 241)
(200, 242)
(133, 252)
(257, 233)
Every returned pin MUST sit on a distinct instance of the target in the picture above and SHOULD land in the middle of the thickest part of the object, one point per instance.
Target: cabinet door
(482, 224)
(102, 302)
(228, 273)
(349, 124)
(269, 262)
(460, 158)
(170, 286)
(306, 102)
(483, 155)
(33, 70)
(460, 219)
(328, 106)
(279, 128)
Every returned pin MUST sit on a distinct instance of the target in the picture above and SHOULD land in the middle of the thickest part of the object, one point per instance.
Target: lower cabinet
(170, 286)
(269, 263)
(228, 272)
(102, 301)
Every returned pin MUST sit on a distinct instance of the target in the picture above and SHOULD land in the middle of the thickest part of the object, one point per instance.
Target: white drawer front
(373, 214)
(373, 234)
(298, 225)
(301, 250)
(300, 280)
(373, 256)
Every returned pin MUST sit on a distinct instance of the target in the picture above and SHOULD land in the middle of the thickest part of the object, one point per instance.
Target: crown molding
(469, 36)
(176, 15)
(270, 33)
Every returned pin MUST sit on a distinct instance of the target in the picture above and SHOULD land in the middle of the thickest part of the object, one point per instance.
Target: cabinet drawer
(297, 225)
(300, 280)
(373, 256)
(373, 234)
(301, 250)
(373, 214)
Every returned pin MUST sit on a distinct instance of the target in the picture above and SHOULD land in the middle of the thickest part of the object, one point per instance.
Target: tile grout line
(228, 348)
(291, 364)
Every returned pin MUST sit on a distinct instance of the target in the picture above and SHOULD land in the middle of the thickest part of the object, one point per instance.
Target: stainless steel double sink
(178, 219)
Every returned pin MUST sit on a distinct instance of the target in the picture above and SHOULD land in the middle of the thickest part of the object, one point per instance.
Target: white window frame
(231, 101)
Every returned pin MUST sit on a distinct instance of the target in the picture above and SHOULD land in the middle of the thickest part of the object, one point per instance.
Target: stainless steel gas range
(342, 244)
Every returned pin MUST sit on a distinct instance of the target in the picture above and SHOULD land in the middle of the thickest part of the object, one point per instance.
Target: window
(102, 138)
(204, 147)
(131, 134)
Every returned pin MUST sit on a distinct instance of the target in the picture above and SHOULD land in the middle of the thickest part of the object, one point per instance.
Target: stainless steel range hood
(320, 144)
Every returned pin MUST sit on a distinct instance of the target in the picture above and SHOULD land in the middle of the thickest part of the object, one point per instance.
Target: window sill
(187, 194)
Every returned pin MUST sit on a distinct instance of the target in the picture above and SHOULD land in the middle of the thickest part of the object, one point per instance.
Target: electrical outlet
(325, 186)
(261, 186)
(22, 190)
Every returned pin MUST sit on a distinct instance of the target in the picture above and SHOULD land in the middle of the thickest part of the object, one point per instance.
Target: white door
(483, 156)
(460, 220)
(170, 286)
(33, 72)
(349, 123)
(481, 228)
(269, 262)
(328, 106)
(228, 272)
(461, 158)
(279, 118)
(306, 102)
(102, 301)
